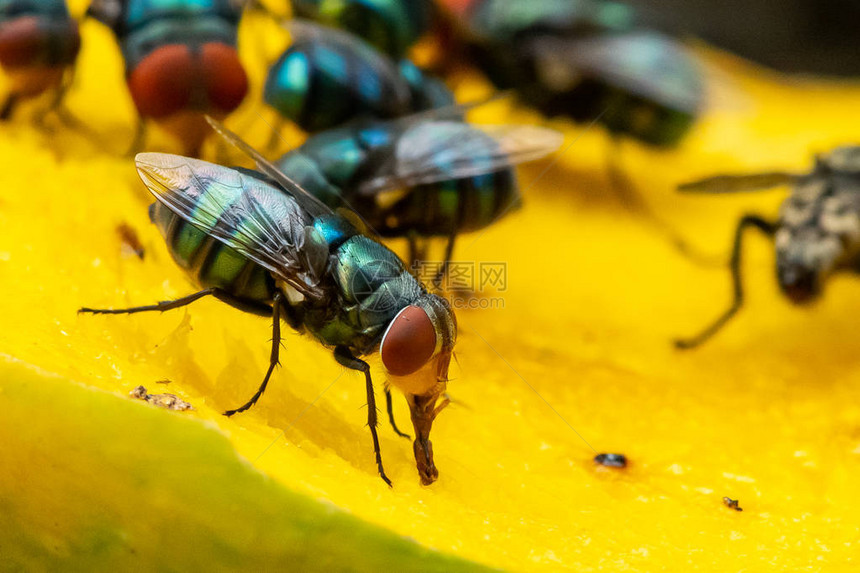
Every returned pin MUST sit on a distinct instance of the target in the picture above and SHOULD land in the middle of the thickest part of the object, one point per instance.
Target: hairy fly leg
(345, 358)
(259, 309)
(277, 302)
(244, 305)
(160, 306)
(748, 221)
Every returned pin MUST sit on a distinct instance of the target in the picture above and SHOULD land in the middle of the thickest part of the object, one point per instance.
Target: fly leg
(345, 358)
(275, 312)
(58, 108)
(139, 138)
(161, 306)
(277, 301)
(765, 227)
(389, 404)
(452, 239)
(417, 252)
(449, 252)
(632, 201)
(9, 106)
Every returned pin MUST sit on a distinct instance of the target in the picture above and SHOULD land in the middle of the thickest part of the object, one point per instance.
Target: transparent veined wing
(644, 63)
(739, 183)
(453, 112)
(243, 212)
(308, 201)
(431, 151)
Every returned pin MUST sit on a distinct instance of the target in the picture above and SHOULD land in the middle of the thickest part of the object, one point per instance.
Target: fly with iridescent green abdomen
(419, 177)
(264, 245)
(328, 77)
(391, 26)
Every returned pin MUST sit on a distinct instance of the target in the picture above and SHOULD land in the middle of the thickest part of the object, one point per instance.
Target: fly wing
(739, 183)
(644, 63)
(243, 212)
(453, 111)
(307, 200)
(432, 151)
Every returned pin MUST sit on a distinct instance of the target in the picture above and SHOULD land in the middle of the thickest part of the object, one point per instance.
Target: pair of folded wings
(276, 229)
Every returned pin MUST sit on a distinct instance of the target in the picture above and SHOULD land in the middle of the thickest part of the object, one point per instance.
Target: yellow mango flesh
(578, 361)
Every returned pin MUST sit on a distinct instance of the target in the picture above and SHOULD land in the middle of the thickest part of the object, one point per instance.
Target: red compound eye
(224, 76)
(162, 82)
(32, 41)
(409, 342)
(22, 42)
(174, 78)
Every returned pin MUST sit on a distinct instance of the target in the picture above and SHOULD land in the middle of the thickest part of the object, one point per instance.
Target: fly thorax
(845, 159)
(802, 206)
(373, 282)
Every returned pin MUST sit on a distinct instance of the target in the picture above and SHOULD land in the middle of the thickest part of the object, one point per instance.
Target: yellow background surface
(577, 361)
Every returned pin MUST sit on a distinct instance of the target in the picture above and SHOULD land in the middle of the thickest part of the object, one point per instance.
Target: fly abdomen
(465, 204)
(488, 197)
(323, 81)
(310, 174)
(453, 202)
(392, 27)
(209, 261)
(647, 120)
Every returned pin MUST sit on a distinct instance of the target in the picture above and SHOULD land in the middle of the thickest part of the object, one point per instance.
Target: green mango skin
(92, 481)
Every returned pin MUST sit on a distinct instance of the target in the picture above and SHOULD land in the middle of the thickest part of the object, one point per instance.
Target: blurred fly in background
(590, 61)
(419, 177)
(39, 43)
(816, 235)
(586, 60)
(181, 62)
(328, 77)
(391, 26)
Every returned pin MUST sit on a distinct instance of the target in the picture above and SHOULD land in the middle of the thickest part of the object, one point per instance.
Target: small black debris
(611, 460)
(732, 504)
